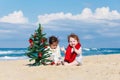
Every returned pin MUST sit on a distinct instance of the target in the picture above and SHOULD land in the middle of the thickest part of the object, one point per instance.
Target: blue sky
(96, 22)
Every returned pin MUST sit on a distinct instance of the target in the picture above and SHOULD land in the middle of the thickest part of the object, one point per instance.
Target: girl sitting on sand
(73, 53)
(55, 50)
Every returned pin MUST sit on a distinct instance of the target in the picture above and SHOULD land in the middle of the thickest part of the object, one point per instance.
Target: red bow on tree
(30, 40)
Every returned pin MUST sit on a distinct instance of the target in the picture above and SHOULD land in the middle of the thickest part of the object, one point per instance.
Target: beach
(99, 67)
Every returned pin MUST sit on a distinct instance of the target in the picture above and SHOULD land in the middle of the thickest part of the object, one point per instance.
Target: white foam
(6, 52)
(12, 58)
(87, 49)
(11, 52)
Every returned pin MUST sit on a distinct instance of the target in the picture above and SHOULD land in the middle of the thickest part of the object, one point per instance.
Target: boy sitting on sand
(55, 50)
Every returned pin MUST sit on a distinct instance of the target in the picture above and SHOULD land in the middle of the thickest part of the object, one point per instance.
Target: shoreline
(100, 67)
(26, 58)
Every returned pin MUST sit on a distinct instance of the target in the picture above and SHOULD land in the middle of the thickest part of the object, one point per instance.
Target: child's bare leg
(74, 63)
(66, 63)
(70, 64)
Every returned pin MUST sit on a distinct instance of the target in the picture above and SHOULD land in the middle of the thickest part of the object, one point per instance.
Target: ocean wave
(6, 52)
(12, 51)
(12, 58)
(19, 53)
(94, 48)
(87, 49)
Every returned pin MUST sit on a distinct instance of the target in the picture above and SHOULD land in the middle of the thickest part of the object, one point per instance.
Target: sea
(19, 53)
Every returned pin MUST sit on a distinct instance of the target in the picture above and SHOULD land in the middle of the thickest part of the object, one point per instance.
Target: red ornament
(30, 40)
(52, 63)
(45, 46)
(40, 54)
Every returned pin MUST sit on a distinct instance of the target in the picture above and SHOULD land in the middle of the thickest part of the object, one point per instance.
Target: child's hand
(62, 49)
(73, 48)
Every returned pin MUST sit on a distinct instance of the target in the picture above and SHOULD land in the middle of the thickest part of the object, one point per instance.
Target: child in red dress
(73, 53)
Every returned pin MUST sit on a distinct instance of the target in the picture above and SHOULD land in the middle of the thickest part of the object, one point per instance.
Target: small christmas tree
(38, 50)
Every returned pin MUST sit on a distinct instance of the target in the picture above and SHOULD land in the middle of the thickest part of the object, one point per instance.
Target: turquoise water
(19, 53)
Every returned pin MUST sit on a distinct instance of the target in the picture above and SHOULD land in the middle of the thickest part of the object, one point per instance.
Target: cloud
(15, 17)
(100, 26)
(105, 13)
(101, 22)
(100, 15)
(51, 17)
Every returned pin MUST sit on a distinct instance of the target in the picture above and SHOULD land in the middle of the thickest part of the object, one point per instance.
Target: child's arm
(63, 49)
(58, 51)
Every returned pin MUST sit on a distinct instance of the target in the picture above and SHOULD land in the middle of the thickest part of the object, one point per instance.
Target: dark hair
(73, 36)
(53, 39)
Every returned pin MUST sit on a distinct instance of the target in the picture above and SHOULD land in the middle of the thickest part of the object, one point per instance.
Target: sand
(102, 67)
